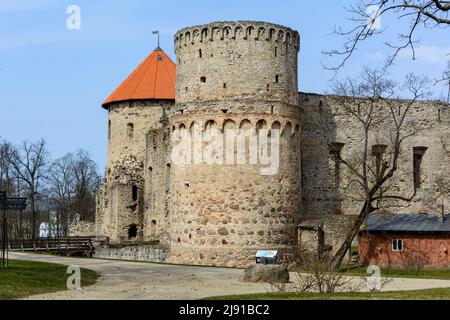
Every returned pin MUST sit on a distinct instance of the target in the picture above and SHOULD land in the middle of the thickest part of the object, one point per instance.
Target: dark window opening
(268, 86)
(277, 78)
(335, 151)
(378, 151)
(130, 130)
(224, 85)
(132, 231)
(200, 54)
(276, 51)
(186, 89)
(167, 178)
(203, 79)
(134, 191)
(160, 58)
(419, 152)
(109, 129)
(397, 245)
(153, 228)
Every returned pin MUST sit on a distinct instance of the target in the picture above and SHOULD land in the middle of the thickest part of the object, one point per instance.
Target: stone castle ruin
(242, 77)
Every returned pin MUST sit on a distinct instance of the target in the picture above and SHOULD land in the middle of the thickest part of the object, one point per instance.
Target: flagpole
(157, 33)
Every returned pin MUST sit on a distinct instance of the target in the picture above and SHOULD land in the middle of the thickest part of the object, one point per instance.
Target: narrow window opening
(418, 154)
(130, 130)
(268, 86)
(167, 178)
(276, 51)
(109, 129)
(335, 152)
(153, 229)
(134, 192)
(200, 54)
(277, 78)
(203, 79)
(186, 89)
(224, 85)
(378, 151)
(132, 231)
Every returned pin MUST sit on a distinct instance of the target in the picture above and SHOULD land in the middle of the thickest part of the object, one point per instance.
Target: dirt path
(121, 280)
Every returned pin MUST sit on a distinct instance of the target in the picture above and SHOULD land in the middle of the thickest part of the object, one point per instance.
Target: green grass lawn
(25, 278)
(427, 294)
(402, 273)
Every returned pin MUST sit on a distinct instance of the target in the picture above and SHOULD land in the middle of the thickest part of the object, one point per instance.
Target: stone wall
(80, 228)
(157, 185)
(128, 124)
(148, 253)
(328, 191)
(124, 199)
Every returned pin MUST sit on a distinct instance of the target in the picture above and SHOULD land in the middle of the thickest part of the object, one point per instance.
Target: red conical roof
(154, 78)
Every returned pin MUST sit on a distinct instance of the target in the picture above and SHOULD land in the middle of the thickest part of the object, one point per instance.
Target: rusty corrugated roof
(154, 78)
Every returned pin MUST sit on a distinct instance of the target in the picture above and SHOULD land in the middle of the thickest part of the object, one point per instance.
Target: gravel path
(122, 280)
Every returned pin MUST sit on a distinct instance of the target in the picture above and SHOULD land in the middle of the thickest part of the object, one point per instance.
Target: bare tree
(61, 187)
(28, 163)
(5, 167)
(368, 103)
(366, 14)
(87, 182)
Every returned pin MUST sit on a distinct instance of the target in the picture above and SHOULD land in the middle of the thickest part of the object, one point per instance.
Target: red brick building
(406, 240)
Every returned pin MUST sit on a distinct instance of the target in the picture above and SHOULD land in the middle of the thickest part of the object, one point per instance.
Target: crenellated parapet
(237, 60)
(240, 30)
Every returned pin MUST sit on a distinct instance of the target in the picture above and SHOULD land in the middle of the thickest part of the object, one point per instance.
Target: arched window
(130, 130)
(153, 229)
(167, 178)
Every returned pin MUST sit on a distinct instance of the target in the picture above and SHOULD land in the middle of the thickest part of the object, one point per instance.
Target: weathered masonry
(239, 76)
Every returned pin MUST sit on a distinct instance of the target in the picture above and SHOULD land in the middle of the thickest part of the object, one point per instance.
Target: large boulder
(260, 273)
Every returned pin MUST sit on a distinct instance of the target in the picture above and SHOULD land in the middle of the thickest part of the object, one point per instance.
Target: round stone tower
(236, 82)
(137, 108)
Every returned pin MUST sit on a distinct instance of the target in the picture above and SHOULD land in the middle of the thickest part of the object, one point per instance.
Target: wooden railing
(48, 244)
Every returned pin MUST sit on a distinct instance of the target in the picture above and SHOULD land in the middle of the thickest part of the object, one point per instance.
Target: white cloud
(428, 55)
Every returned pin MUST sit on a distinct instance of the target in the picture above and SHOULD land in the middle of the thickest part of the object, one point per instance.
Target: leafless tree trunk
(369, 102)
(29, 162)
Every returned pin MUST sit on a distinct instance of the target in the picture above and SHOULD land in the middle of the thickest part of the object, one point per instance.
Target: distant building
(50, 229)
(406, 240)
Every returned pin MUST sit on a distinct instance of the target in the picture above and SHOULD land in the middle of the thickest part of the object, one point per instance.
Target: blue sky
(53, 80)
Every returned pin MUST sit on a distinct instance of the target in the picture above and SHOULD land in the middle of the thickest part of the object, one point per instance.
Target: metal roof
(407, 223)
(154, 78)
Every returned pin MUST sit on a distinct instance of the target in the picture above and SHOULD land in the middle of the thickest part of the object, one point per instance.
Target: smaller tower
(135, 109)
